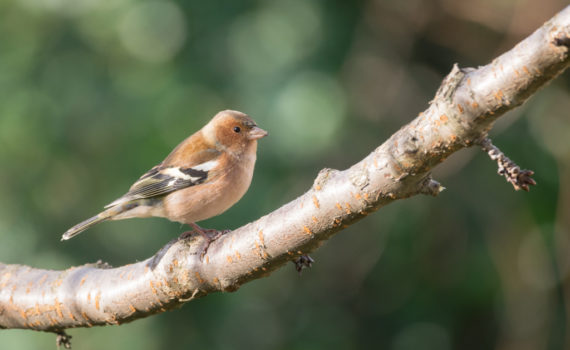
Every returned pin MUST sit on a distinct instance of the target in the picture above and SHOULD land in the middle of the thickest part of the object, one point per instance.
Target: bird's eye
(237, 129)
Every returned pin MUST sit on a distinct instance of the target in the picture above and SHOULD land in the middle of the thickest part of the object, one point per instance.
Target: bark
(462, 112)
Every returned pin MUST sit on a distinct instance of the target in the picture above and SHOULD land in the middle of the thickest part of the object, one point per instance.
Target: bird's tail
(102, 216)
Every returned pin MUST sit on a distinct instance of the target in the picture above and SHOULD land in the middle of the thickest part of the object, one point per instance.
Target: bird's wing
(162, 180)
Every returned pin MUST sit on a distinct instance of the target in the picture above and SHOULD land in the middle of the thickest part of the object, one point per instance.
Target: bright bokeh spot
(308, 112)
(549, 118)
(153, 31)
(276, 36)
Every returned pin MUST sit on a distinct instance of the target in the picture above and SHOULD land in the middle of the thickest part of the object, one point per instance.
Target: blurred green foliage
(95, 92)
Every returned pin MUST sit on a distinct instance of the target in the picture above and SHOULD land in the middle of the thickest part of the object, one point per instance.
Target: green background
(95, 92)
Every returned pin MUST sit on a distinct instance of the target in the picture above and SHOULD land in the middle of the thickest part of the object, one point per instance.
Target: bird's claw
(209, 235)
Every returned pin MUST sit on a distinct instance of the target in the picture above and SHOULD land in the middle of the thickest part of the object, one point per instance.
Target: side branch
(520, 179)
(462, 112)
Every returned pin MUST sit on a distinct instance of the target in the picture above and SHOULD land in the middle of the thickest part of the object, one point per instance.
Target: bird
(202, 177)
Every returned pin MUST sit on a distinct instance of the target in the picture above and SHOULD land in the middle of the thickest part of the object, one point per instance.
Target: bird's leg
(209, 235)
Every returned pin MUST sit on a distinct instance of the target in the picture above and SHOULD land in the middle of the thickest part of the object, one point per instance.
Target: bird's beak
(257, 133)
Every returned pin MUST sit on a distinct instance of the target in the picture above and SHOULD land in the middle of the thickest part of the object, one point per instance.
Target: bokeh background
(95, 92)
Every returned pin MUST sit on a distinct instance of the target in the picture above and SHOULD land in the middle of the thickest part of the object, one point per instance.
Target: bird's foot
(209, 235)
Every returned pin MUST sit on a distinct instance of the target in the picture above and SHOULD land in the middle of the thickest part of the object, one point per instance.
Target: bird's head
(233, 131)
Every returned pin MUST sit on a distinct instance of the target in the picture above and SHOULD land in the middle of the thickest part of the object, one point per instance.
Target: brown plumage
(202, 177)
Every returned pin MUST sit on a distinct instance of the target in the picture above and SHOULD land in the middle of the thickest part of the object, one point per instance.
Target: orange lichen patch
(315, 219)
(526, 70)
(175, 262)
(216, 280)
(307, 231)
(443, 118)
(37, 309)
(89, 298)
(42, 280)
(375, 162)
(146, 269)
(23, 314)
(498, 95)
(453, 137)
(357, 196)
(348, 207)
(84, 315)
(474, 104)
(516, 72)
(207, 259)
(123, 273)
(112, 320)
(460, 108)
(197, 274)
(57, 282)
(82, 281)
(264, 255)
(229, 259)
(97, 299)
(339, 207)
(58, 308)
(261, 239)
(28, 290)
(238, 255)
(468, 81)
(366, 195)
(336, 222)
(316, 202)
(152, 287)
(317, 187)
(301, 205)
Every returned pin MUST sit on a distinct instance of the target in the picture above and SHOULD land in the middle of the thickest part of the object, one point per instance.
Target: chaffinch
(202, 177)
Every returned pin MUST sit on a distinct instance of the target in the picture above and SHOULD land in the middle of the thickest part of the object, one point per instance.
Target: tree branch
(464, 109)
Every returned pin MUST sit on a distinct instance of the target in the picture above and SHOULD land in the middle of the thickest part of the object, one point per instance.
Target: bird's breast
(210, 198)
